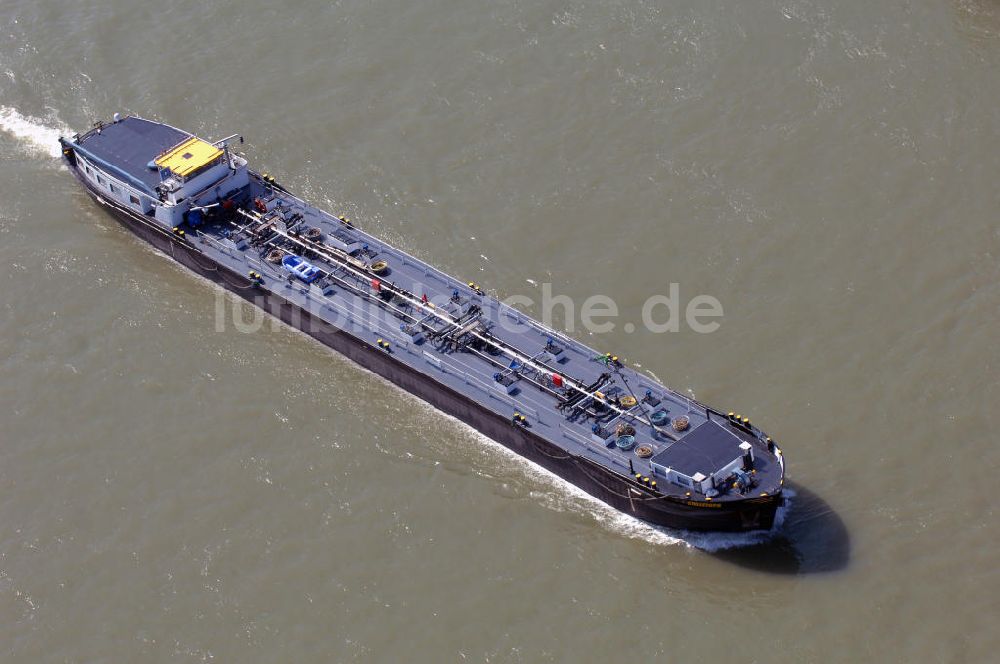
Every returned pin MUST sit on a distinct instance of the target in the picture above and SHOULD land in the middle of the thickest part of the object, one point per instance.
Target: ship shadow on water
(813, 539)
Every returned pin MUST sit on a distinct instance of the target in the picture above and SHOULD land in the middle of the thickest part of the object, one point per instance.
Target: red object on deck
(376, 284)
(424, 298)
(557, 380)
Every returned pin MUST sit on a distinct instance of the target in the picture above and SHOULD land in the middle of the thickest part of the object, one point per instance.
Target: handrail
(347, 263)
(134, 181)
(591, 446)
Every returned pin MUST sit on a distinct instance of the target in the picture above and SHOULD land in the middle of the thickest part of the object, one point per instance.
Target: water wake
(564, 496)
(40, 136)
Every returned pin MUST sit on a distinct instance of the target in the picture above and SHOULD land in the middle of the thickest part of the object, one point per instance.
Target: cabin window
(134, 200)
(100, 180)
(88, 169)
(114, 189)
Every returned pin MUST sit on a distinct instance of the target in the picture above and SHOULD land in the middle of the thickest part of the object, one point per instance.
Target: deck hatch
(706, 449)
(188, 156)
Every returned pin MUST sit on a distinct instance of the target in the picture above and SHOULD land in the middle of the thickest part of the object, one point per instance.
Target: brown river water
(174, 489)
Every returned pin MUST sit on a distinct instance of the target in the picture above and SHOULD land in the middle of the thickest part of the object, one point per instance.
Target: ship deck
(584, 415)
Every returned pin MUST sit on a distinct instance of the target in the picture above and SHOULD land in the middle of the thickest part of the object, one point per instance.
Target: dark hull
(613, 489)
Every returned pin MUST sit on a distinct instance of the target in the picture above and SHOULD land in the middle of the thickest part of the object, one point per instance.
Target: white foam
(564, 496)
(38, 135)
(720, 541)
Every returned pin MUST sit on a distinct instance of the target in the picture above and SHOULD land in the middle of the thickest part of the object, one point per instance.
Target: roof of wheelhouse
(131, 144)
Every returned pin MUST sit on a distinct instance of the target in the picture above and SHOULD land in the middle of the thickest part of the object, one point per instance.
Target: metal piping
(346, 261)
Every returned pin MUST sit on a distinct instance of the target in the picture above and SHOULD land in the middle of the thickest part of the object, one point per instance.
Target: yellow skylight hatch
(188, 156)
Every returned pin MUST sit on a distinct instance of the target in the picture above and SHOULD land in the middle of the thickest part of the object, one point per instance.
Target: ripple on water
(40, 136)
(563, 496)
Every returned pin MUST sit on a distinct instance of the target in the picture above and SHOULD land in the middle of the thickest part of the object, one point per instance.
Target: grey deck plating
(713, 441)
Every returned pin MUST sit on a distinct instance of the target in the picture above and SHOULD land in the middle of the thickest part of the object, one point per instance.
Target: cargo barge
(586, 416)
